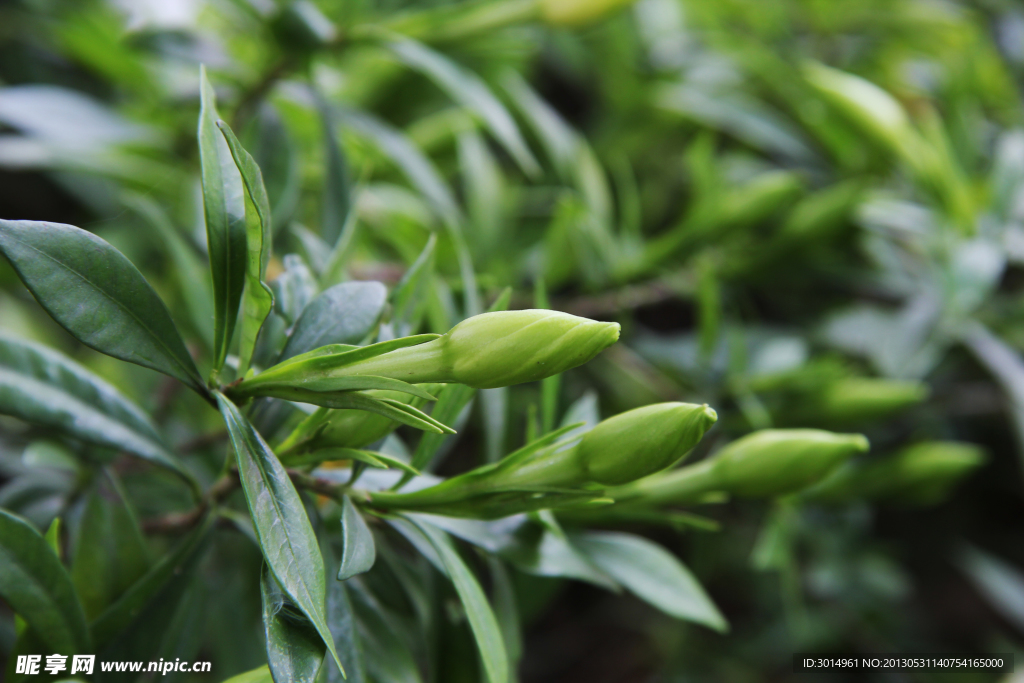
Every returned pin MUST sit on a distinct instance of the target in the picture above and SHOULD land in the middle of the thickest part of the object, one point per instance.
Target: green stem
(685, 485)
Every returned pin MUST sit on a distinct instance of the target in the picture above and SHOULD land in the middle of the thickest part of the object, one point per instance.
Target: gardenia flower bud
(578, 12)
(495, 350)
(854, 399)
(921, 474)
(618, 450)
(643, 441)
(767, 463)
(774, 462)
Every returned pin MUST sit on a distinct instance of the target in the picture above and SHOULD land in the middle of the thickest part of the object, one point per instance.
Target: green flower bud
(326, 428)
(767, 463)
(775, 462)
(578, 12)
(618, 450)
(858, 399)
(489, 350)
(922, 474)
(643, 441)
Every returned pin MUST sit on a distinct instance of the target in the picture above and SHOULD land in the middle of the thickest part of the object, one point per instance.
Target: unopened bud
(775, 462)
(643, 441)
(856, 399)
(578, 12)
(489, 350)
(922, 474)
(618, 450)
(326, 428)
(767, 463)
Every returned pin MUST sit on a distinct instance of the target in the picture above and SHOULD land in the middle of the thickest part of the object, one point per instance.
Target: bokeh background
(804, 213)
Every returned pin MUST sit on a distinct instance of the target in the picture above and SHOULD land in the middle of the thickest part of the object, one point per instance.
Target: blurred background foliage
(804, 213)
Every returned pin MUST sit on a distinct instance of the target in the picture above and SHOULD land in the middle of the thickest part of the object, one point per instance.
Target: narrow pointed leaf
(358, 552)
(295, 650)
(342, 314)
(224, 209)
(37, 587)
(481, 618)
(282, 527)
(97, 295)
(258, 300)
(43, 387)
(652, 574)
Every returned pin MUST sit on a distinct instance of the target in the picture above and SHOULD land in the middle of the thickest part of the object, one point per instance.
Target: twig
(177, 522)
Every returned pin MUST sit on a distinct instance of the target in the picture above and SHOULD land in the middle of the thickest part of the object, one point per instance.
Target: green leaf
(342, 620)
(295, 650)
(294, 288)
(36, 586)
(358, 550)
(545, 551)
(374, 459)
(192, 275)
(652, 574)
(224, 209)
(482, 621)
(53, 536)
(120, 615)
(468, 90)
(343, 314)
(109, 556)
(257, 301)
(43, 387)
(285, 534)
(97, 295)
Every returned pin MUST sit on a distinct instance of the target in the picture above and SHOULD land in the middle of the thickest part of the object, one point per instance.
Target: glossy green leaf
(37, 587)
(652, 574)
(257, 300)
(97, 295)
(481, 618)
(113, 621)
(42, 386)
(284, 531)
(224, 209)
(342, 620)
(358, 549)
(294, 288)
(343, 314)
(295, 650)
(467, 89)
